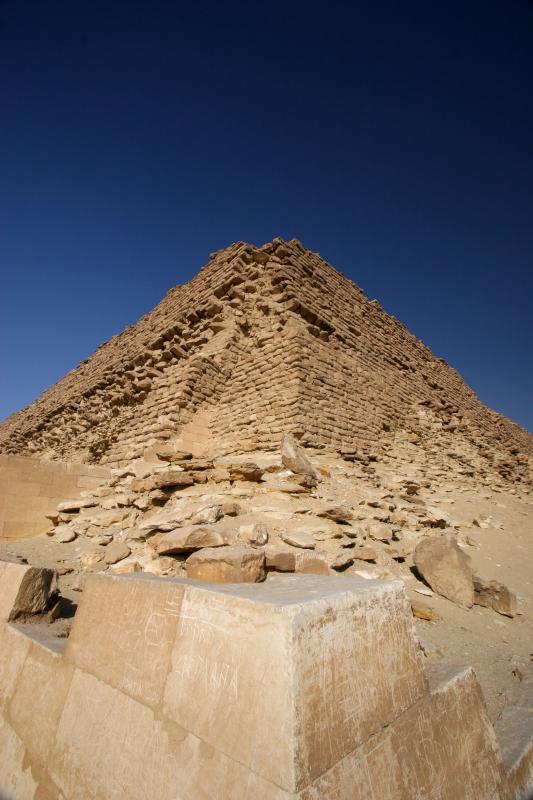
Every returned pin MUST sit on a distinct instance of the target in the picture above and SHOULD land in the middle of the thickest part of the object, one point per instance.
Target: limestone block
(311, 563)
(365, 553)
(379, 531)
(230, 509)
(254, 534)
(342, 559)
(103, 518)
(336, 513)
(226, 565)
(124, 632)
(351, 667)
(421, 754)
(111, 747)
(38, 700)
(76, 505)
(128, 566)
(279, 559)
(24, 589)
(169, 453)
(247, 471)
(16, 781)
(14, 648)
(64, 534)
(171, 480)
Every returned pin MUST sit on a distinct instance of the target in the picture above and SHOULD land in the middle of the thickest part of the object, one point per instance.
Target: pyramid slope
(263, 341)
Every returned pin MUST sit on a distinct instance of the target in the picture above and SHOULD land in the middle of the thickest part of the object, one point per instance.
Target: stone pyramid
(264, 341)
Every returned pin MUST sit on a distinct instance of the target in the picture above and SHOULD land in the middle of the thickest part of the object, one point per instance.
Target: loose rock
(191, 537)
(294, 458)
(299, 539)
(495, 595)
(116, 551)
(445, 567)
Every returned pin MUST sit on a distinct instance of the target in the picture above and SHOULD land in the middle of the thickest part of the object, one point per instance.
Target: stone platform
(301, 687)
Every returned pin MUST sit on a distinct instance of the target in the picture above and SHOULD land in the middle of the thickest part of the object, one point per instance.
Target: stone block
(108, 745)
(299, 688)
(422, 753)
(351, 667)
(124, 632)
(226, 565)
(38, 699)
(14, 648)
(16, 780)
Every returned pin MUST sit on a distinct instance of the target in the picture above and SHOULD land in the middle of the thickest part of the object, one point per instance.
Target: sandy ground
(499, 648)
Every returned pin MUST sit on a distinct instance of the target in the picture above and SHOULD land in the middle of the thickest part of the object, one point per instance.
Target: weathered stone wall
(31, 488)
(272, 340)
(296, 689)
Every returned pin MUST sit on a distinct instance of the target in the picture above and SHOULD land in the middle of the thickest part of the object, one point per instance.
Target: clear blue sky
(395, 138)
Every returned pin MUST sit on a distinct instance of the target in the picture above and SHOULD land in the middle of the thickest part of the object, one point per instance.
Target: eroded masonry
(242, 499)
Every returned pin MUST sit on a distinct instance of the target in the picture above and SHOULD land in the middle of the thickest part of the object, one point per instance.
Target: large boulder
(444, 566)
(227, 565)
(293, 457)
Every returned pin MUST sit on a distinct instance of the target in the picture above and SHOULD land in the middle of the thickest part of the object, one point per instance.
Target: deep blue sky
(395, 138)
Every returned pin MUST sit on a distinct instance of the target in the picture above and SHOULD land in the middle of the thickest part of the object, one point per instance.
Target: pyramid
(261, 342)
(246, 494)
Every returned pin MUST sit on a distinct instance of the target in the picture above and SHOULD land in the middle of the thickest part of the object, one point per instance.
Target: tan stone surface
(445, 567)
(264, 346)
(14, 648)
(124, 633)
(443, 747)
(31, 488)
(299, 351)
(192, 537)
(300, 688)
(232, 564)
(38, 699)
(294, 458)
(16, 780)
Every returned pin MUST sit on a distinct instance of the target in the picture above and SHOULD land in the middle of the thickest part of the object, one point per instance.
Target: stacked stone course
(270, 340)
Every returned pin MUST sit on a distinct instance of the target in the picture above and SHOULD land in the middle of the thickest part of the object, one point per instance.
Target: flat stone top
(41, 635)
(284, 590)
